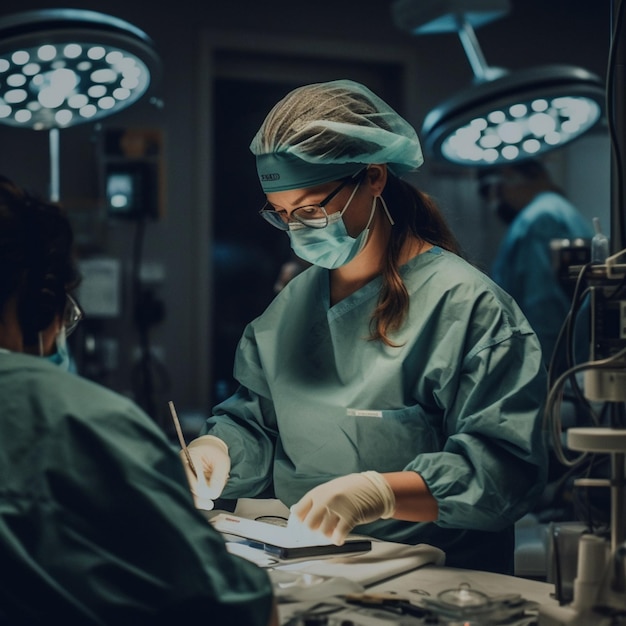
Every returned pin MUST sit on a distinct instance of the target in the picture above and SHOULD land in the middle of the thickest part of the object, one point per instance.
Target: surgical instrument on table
(181, 438)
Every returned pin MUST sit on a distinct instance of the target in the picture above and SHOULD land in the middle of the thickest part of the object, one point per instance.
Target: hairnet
(325, 131)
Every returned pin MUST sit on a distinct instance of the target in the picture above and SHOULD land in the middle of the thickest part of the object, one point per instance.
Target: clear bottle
(599, 244)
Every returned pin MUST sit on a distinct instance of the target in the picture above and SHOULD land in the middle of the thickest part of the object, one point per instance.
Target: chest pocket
(387, 441)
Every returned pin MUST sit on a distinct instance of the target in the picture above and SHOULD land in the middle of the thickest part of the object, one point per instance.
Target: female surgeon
(391, 386)
(97, 525)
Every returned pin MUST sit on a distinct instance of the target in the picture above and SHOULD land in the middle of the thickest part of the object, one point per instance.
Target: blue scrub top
(524, 267)
(459, 402)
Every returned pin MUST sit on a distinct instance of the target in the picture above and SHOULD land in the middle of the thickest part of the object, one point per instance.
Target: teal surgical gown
(459, 402)
(524, 267)
(97, 523)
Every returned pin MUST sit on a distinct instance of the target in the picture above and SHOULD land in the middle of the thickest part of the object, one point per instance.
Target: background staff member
(524, 196)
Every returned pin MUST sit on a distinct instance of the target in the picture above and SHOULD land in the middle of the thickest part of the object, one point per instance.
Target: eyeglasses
(310, 215)
(71, 315)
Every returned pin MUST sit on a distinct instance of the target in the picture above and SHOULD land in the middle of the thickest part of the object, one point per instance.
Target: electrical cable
(567, 332)
(552, 418)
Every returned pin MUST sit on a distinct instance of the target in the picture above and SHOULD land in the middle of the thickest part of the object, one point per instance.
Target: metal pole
(54, 165)
(472, 48)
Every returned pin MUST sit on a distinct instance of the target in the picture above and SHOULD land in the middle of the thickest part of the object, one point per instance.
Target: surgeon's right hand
(210, 459)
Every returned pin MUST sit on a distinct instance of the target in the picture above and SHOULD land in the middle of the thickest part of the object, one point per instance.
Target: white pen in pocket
(363, 413)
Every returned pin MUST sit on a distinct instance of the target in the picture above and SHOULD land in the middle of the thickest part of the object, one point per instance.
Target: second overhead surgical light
(509, 133)
(505, 116)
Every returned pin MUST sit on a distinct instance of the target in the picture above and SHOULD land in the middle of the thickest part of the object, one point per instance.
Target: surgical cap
(326, 131)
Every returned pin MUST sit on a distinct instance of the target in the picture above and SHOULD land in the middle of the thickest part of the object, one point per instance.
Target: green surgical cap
(326, 131)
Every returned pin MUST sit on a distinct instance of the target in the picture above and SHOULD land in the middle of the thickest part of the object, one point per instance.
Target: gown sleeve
(493, 462)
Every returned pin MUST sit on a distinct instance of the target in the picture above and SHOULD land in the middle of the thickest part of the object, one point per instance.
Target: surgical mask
(62, 356)
(329, 247)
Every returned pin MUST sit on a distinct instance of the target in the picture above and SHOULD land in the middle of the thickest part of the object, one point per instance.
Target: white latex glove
(209, 456)
(336, 507)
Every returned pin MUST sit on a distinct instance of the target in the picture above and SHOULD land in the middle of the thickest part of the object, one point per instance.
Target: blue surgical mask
(329, 247)
(61, 356)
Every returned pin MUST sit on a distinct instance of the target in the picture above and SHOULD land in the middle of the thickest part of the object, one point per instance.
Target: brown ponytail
(415, 214)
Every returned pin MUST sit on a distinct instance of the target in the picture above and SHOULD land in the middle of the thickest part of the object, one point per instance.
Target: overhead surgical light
(504, 116)
(62, 67)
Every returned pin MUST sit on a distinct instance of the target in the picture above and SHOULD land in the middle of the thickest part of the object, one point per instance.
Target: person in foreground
(97, 524)
(392, 388)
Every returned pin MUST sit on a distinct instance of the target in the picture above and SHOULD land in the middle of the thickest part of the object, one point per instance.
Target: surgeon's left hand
(339, 505)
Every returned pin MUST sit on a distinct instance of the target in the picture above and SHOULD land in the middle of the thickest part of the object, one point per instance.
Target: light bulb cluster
(52, 86)
(521, 130)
